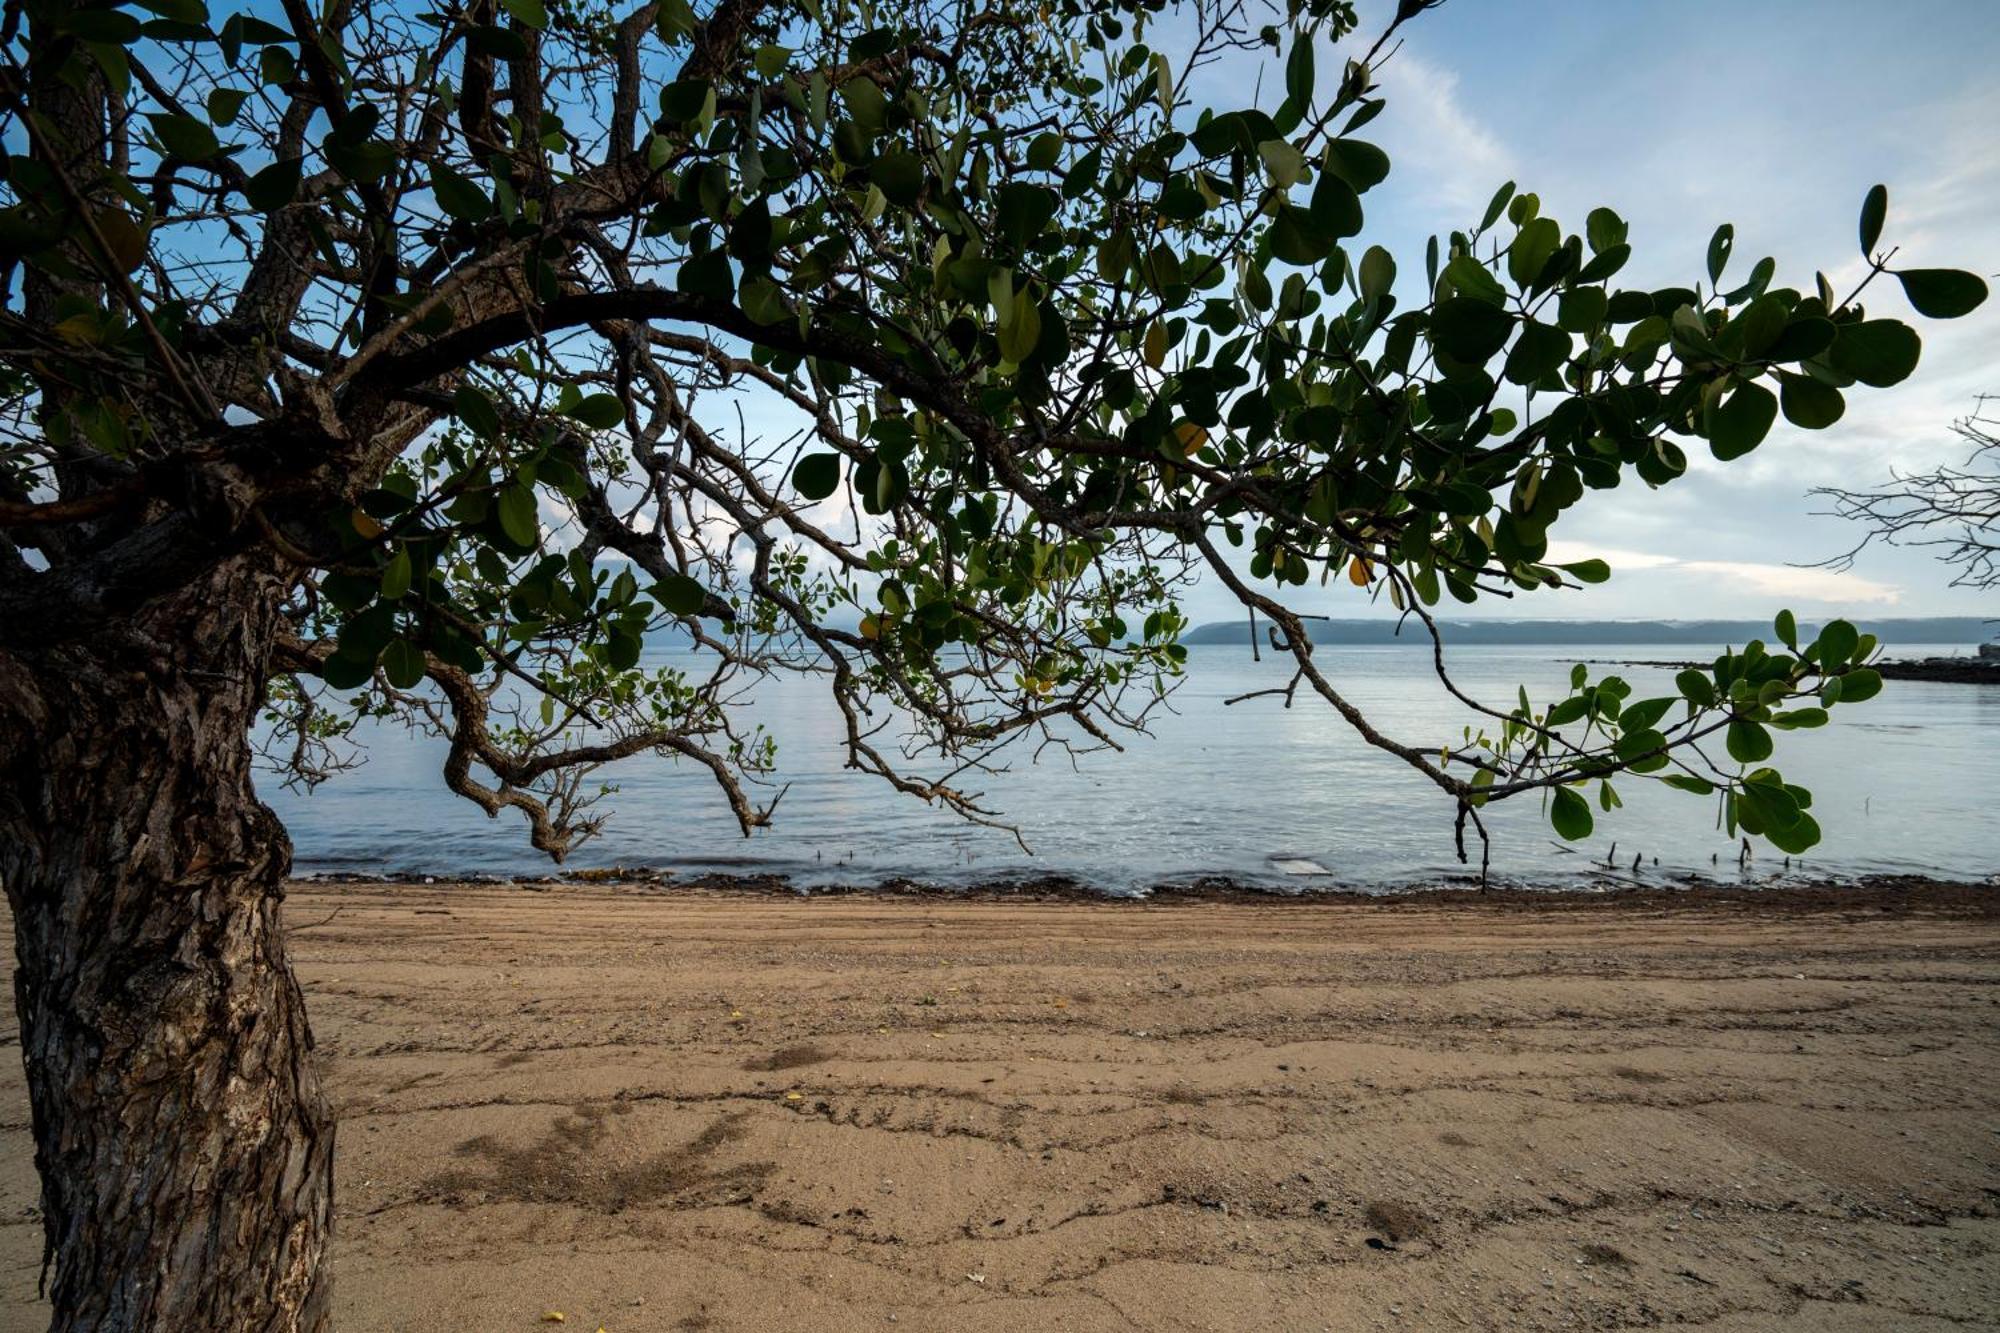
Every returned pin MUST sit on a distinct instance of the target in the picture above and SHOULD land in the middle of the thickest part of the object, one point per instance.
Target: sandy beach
(684, 1110)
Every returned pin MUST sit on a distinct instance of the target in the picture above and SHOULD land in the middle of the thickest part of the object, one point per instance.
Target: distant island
(1713, 633)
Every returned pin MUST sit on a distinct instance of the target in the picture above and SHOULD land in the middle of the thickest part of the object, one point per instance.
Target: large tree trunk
(184, 1143)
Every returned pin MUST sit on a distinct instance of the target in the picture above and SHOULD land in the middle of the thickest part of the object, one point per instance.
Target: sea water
(1269, 796)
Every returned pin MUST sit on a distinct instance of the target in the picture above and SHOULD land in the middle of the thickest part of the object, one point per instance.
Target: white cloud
(1789, 581)
(1453, 161)
(1567, 552)
(1720, 578)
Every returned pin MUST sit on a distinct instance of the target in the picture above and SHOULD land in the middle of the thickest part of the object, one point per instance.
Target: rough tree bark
(184, 1144)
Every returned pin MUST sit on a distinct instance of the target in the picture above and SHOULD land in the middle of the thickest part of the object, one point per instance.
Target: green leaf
(1802, 339)
(1361, 164)
(1787, 627)
(621, 651)
(275, 186)
(763, 300)
(1581, 309)
(1874, 208)
(1809, 404)
(347, 671)
(471, 405)
(1299, 71)
(817, 476)
(1689, 782)
(1570, 814)
(458, 196)
(1539, 351)
(1377, 273)
(276, 67)
(1604, 264)
(680, 595)
(900, 176)
(771, 60)
(1749, 742)
(224, 103)
(1533, 246)
(599, 411)
(1837, 643)
(1604, 229)
(1800, 718)
(1286, 164)
(1741, 421)
(1696, 687)
(95, 25)
(184, 137)
(1879, 352)
(1803, 835)
(1636, 744)
(1336, 209)
(396, 576)
(1588, 571)
(368, 160)
(1646, 713)
(706, 274)
(403, 664)
(1297, 237)
(1471, 278)
(1942, 293)
(1024, 211)
(530, 12)
(1568, 711)
(501, 43)
(684, 99)
(866, 103)
(1860, 685)
(1469, 331)
(1020, 331)
(1775, 808)
(1719, 246)
(519, 518)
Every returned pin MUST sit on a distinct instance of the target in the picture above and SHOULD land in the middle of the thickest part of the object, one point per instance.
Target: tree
(1953, 510)
(417, 362)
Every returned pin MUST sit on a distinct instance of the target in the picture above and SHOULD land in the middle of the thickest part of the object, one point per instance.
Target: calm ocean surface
(1904, 783)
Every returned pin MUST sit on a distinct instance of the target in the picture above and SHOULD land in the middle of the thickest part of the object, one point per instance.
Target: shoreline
(1780, 895)
(660, 1110)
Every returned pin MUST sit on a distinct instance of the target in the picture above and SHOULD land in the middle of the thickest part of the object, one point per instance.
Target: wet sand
(681, 1110)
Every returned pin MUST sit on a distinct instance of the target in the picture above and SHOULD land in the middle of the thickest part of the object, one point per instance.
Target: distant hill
(1713, 633)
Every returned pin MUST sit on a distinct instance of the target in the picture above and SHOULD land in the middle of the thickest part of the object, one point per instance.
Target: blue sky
(1776, 117)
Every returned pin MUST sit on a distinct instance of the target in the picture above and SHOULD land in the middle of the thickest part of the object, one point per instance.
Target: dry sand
(691, 1111)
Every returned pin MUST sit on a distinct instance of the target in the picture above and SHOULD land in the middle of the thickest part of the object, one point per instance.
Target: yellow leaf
(79, 330)
(1359, 573)
(1192, 438)
(555, 1317)
(1156, 344)
(366, 525)
(125, 238)
(794, 1097)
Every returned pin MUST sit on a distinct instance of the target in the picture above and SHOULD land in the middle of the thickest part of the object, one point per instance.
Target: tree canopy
(930, 348)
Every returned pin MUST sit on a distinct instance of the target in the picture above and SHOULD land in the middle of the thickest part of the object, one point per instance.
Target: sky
(1776, 116)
